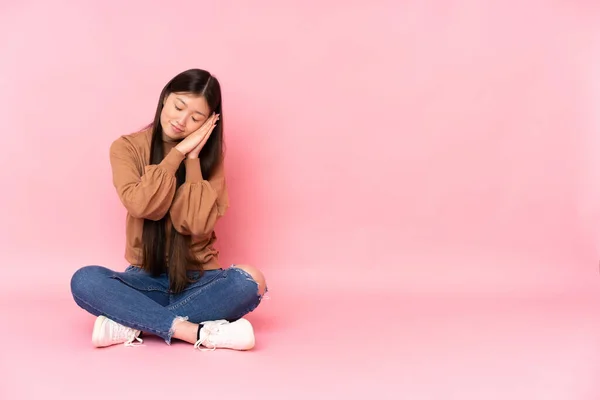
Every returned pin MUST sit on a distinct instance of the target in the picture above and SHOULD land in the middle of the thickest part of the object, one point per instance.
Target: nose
(182, 120)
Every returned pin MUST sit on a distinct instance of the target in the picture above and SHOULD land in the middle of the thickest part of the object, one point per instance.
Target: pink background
(376, 150)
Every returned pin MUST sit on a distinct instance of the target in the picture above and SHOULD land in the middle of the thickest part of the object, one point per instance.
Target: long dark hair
(154, 238)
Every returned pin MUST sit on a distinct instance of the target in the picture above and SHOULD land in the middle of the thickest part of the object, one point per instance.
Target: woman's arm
(199, 203)
(145, 195)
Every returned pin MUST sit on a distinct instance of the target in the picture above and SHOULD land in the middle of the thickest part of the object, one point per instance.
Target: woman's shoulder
(138, 140)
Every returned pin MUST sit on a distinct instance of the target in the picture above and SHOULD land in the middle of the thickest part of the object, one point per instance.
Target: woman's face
(182, 114)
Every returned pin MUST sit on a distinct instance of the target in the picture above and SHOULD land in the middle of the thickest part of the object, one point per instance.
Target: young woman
(170, 178)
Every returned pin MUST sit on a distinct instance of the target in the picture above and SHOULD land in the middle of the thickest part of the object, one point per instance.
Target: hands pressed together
(193, 144)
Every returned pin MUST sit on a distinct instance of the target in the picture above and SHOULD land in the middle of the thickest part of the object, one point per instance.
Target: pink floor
(322, 344)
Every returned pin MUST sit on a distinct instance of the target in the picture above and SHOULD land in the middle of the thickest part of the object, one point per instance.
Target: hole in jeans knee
(261, 288)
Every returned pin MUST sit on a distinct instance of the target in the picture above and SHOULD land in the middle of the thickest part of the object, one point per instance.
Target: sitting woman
(170, 178)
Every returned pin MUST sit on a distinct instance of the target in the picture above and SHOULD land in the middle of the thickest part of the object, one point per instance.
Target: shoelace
(129, 342)
(211, 328)
(129, 333)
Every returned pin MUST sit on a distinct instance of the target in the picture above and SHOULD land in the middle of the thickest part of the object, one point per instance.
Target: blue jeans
(140, 301)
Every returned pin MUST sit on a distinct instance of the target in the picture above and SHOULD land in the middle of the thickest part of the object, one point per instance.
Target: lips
(176, 129)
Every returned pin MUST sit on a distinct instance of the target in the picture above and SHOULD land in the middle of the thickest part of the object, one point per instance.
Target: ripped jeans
(140, 301)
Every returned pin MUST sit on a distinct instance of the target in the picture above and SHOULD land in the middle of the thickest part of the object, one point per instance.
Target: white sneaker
(237, 335)
(107, 332)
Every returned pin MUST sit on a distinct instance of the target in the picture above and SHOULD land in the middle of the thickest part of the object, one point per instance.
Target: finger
(206, 134)
(209, 122)
(204, 128)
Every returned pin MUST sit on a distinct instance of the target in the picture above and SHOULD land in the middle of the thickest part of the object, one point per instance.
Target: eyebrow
(177, 98)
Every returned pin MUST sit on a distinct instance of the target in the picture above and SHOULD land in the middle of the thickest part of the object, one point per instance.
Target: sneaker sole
(97, 329)
(250, 344)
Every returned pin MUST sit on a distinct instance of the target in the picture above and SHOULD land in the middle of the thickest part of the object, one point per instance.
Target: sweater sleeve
(199, 203)
(145, 194)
